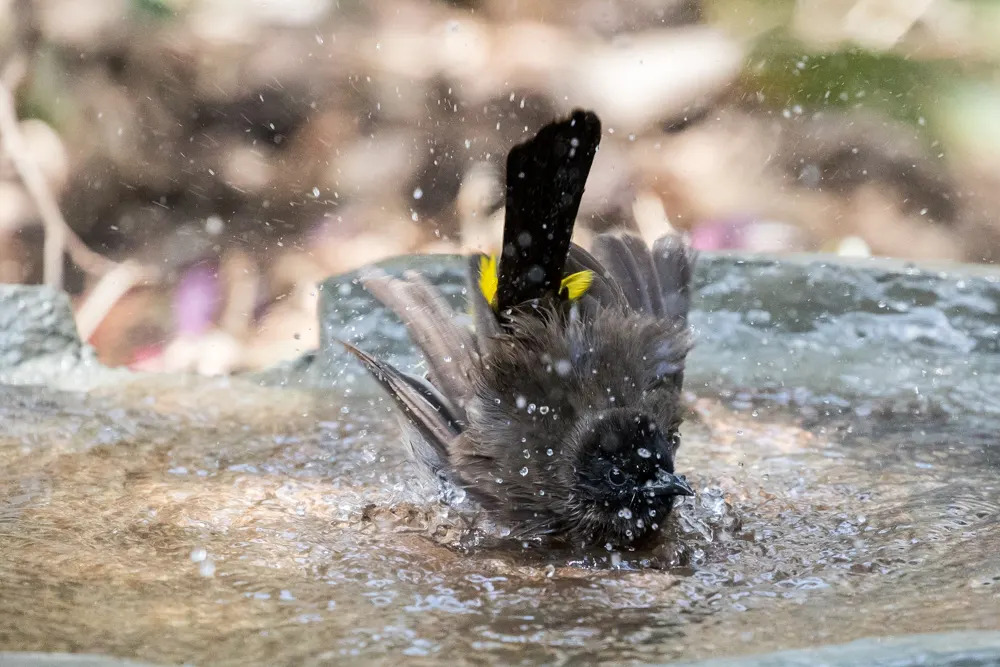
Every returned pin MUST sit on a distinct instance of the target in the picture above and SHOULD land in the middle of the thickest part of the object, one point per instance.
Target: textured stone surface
(35, 322)
(872, 335)
(39, 344)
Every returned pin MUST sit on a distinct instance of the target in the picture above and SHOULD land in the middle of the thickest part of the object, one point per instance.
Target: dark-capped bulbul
(559, 411)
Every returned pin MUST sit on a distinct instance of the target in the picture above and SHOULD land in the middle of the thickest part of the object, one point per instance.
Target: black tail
(545, 180)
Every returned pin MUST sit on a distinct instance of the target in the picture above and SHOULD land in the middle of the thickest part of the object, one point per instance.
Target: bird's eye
(616, 477)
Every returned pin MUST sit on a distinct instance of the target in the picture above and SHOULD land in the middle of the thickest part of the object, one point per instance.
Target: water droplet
(315, 192)
(531, 408)
(644, 453)
(524, 471)
(418, 193)
(549, 452)
(541, 492)
(527, 454)
(625, 513)
(520, 402)
(544, 409)
(563, 367)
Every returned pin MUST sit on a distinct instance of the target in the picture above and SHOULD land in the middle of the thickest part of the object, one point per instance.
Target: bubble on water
(544, 409)
(418, 193)
(549, 452)
(563, 367)
(315, 192)
(541, 492)
(524, 471)
(207, 568)
(527, 454)
(531, 408)
(625, 513)
(644, 453)
(609, 546)
(520, 402)
(198, 555)
(499, 480)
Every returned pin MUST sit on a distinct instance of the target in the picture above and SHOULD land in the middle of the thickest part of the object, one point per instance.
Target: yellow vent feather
(576, 284)
(489, 278)
(572, 286)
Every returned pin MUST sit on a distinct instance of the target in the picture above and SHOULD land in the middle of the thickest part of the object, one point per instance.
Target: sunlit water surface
(221, 522)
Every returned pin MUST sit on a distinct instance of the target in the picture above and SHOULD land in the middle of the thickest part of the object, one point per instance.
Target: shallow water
(223, 522)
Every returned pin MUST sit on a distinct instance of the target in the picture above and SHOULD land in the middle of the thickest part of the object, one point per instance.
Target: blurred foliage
(785, 74)
(159, 9)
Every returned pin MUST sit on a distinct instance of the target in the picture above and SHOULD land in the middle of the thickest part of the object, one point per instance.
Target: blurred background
(190, 170)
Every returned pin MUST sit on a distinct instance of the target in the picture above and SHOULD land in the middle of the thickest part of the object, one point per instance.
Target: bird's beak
(668, 484)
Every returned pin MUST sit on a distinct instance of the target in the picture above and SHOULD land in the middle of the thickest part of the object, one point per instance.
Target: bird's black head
(624, 479)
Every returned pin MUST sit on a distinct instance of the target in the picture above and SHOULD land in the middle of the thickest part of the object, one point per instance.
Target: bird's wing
(448, 347)
(604, 291)
(674, 260)
(657, 283)
(423, 406)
